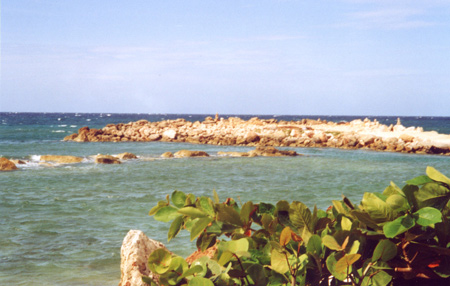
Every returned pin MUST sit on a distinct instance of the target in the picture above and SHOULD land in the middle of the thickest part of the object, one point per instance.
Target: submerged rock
(106, 159)
(7, 165)
(167, 155)
(61, 159)
(189, 153)
(126, 156)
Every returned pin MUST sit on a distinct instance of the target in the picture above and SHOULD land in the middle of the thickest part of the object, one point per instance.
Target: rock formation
(7, 165)
(106, 159)
(356, 134)
(61, 159)
(126, 156)
(134, 253)
(189, 153)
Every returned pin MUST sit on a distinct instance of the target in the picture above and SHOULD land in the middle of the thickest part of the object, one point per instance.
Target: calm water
(64, 225)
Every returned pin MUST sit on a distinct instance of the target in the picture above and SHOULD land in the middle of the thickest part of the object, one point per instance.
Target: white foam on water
(88, 119)
(58, 131)
(35, 158)
(63, 125)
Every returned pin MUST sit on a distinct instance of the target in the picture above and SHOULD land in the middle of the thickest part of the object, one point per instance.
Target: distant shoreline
(234, 131)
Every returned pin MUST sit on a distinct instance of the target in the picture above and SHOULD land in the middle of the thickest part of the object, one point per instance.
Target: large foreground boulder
(60, 159)
(6, 165)
(134, 253)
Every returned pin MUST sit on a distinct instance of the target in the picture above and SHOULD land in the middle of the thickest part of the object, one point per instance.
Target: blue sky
(343, 57)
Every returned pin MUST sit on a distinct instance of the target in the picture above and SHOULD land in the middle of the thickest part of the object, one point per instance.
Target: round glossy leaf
(428, 216)
(178, 199)
(384, 251)
(200, 281)
(159, 261)
(398, 226)
(166, 214)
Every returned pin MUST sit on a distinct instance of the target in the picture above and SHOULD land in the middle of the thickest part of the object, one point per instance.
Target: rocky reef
(356, 134)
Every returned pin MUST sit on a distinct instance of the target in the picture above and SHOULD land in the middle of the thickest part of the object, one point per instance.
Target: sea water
(64, 225)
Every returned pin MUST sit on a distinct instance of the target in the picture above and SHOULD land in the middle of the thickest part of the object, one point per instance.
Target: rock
(251, 137)
(106, 159)
(189, 153)
(270, 151)
(61, 159)
(406, 138)
(18, 162)
(167, 155)
(171, 134)
(70, 137)
(134, 253)
(126, 156)
(154, 137)
(209, 252)
(7, 165)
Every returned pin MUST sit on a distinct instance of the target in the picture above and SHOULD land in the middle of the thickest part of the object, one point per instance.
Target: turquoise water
(64, 225)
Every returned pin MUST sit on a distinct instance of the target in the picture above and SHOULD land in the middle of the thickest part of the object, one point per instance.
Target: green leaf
(354, 248)
(195, 269)
(437, 176)
(428, 216)
(378, 278)
(410, 193)
(330, 242)
(278, 261)
(398, 226)
(384, 251)
(235, 246)
(364, 218)
(199, 227)
(393, 189)
(228, 214)
(178, 199)
(258, 274)
(300, 216)
(340, 207)
(175, 227)
(331, 265)
(166, 214)
(216, 197)
(207, 206)
(378, 209)
(266, 208)
(156, 208)
(200, 281)
(432, 195)
(418, 181)
(159, 261)
(315, 245)
(148, 280)
(343, 265)
(192, 212)
(398, 203)
(206, 240)
(246, 210)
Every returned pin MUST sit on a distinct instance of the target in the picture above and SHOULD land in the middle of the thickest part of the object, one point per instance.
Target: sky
(315, 57)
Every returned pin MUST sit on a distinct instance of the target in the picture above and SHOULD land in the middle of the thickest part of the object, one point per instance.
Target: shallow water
(64, 225)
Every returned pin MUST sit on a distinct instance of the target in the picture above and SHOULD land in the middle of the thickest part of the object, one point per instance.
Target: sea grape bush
(393, 237)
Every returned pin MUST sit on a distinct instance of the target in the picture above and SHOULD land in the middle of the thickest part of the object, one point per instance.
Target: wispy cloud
(390, 18)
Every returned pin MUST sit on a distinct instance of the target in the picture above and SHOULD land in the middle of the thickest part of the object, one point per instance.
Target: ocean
(64, 225)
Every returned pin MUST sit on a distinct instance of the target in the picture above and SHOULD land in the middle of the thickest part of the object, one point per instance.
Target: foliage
(391, 237)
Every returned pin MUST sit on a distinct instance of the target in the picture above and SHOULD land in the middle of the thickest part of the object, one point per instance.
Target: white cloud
(393, 18)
